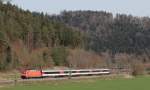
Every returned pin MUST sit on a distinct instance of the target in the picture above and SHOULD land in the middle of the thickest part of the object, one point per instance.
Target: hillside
(26, 38)
(80, 39)
(105, 32)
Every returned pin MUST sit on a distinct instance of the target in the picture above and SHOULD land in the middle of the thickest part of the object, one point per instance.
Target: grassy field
(139, 83)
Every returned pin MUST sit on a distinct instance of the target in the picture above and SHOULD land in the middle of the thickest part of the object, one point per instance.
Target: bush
(79, 58)
(137, 69)
(40, 58)
(8, 60)
(59, 56)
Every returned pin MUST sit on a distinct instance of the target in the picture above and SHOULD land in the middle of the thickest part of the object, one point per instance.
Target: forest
(80, 39)
(23, 33)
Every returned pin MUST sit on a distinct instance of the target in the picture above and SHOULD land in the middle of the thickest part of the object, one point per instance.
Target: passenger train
(62, 73)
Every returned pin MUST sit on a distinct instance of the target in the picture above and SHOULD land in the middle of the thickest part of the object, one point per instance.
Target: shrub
(137, 69)
(59, 56)
(79, 58)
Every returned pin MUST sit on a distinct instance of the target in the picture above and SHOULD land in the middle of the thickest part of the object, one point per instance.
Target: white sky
(134, 7)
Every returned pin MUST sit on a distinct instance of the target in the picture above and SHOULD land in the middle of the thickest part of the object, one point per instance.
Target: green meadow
(138, 83)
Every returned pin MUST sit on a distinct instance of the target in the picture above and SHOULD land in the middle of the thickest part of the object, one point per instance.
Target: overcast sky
(134, 7)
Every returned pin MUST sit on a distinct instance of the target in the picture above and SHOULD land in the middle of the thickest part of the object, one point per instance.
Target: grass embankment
(138, 83)
(9, 75)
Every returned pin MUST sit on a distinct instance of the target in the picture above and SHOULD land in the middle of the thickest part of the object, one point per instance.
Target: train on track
(27, 74)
